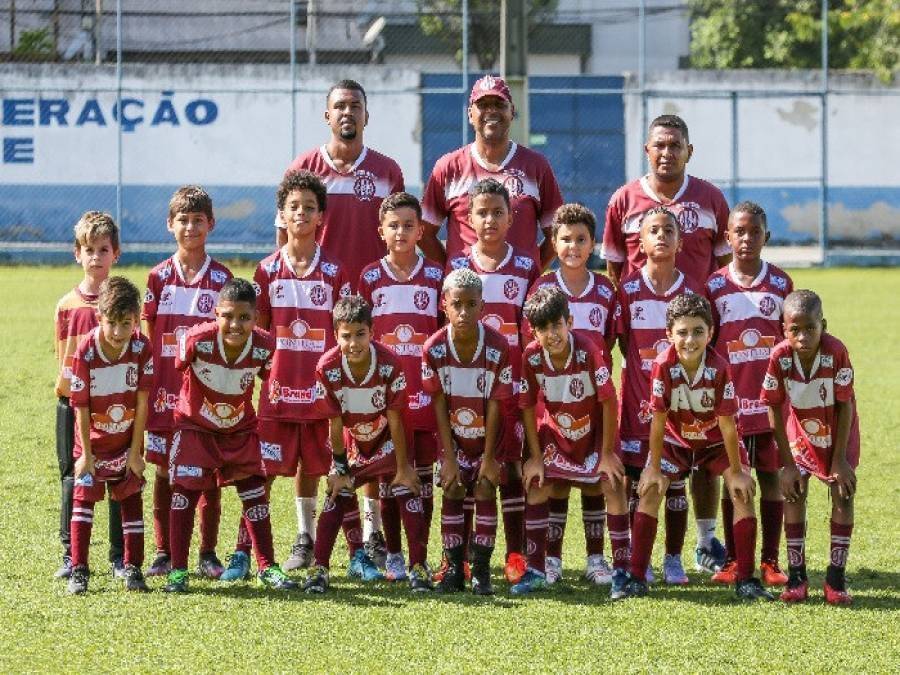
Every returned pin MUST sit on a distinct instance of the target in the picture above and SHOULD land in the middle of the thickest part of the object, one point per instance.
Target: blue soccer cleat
(362, 568)
(238, 567)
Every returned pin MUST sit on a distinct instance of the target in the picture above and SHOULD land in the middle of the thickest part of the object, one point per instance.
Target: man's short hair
(670, 122)
(118, 298)
(690, 305)
(753, 209)
(803, 301)
(191, 199)
(488, 186)
(353, 309)
(462, 278)
(575, 214)
(352, 85)
(399, 200)
(547, 305)
(238, 290)
(301, 180)
(93, 225)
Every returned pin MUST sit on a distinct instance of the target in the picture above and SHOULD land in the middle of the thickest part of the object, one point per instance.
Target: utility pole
(514, 62)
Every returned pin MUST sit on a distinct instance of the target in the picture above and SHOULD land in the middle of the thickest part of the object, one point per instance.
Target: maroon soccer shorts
(285, 445)
(200, 460)
(677, 462)
(109, 472)
(763, 452)
(424, 448)
(157, 448)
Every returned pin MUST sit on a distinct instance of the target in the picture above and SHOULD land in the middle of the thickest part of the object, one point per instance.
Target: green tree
(862, 34)
(443, 19)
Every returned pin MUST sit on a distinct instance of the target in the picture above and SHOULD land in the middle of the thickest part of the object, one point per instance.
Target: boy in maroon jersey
(574, 442)
(181, 292)
(465, 369)
(506, 275)
(694, 409)
(111, 373)
(215, 440)
(96, 250)
(592, 301)
(403, 289)
(811, 375)
(746, 298)
(363, 390)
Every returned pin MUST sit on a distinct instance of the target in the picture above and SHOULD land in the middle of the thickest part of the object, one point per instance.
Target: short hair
(399, 200)
(301, 180)
(691, 305)
(803, 301)
(656, 211)
(352, 85)
(462, 278)
(93, 225)
(574, 214)
(353, 309)
(191, 199)
(238, 290)
(670, 122)
(118, 298)
(547, 305)
(751, 208)
(488, 186)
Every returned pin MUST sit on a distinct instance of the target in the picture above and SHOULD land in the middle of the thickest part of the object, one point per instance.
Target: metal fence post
(823, 186)
(119, 113)
(293, 71)
(735, 145)
(465, 68)
(642, 73)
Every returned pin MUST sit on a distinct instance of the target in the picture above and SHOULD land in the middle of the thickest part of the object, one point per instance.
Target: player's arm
(610, 464)
(547, 252)
(614, 272)
(149, 326)
(85, 463)
(406, 475)
(739, 484)
(533, 471)
(339, 478)
(449, 465)
(841, 471)
(430, 245)
(135, 460)
(789, 476)
(652, 474)
(490, 467)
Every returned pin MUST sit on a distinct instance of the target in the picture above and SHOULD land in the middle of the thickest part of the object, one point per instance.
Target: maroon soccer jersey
(108, 388)
(693, 404)
(404, 315)
(572, 396)
(748, 326)
(702, 213)
(641, 318)
(362, 406)
(526, 174)
(468, 386)
(812, 419)
(173, 306)
(592, 310)
(217, 395)
(299, 309)
(349, 230)
(76, 316)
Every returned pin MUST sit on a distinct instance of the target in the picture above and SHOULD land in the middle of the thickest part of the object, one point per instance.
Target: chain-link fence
(113, 105)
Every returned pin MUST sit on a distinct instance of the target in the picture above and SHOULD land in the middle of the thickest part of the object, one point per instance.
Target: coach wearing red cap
(526, 174)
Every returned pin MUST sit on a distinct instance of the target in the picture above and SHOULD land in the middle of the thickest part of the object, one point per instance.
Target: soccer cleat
(272, 577)
(835, 597)
(65, 569)
(452, 580)
(301, 553)
(480, 557)
(118, 567)
(635, 588)
(711, 559)
(317, 581)
(176, 582)
(751, 589)
(531, 581)
(419, 580)
(78, 580)
(797, 589)
(160, 566)
(772, 575)
(238, 567)
(553, 567)
(395, 567)
(376, 549)
(134, 579)
(597, 570)
(362, 568)
(515, 568)
(727, 575)
(673, 571)
(209, 566)
(620, 579)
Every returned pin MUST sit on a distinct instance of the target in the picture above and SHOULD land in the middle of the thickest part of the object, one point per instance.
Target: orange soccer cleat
(727, 575)
(771, 573)
(515, 567)
(797, 593)
(835, 597)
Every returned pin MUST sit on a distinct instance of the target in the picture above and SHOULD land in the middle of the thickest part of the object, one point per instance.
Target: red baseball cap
(490, 86)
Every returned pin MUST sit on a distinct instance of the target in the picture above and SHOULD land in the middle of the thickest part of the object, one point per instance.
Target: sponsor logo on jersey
(187, 471)
(116, 465)
(364, 185)
(202, 347)
(778, 282)
(459, 263)
(116, 420)
(631, 287)
(817, 432)
(667, 466)
(164, 401)
(328, 269)
(404, 341)
(399, 384)
(508, 330)
(523, 262)
(299, 337)
(571, 428)
(223, 415)
(156, 443)
(372, 275)
(604, 291)
(418, 400)
(365, 432)
(333, 374)
(433, 273)
(169, 345)
(360, 461)
(278, 392)
(696, 430)
(752, 406)
(649, 354)
(827, 361)
(385, 370)
(750, 346)
(218, 276)
(601, 376)
(261, 353)
(554, 457)
(631, 446)
(534, 360)
(715, 283)
(466, 423)
(438, 351)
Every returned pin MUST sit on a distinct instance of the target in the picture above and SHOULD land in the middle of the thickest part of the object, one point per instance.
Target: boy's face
(401, 230)
(490, 218)
(804, 331)
(660, 237)
(354, 339)
(573, 245)
(690, 335)
(191, 229)
(462, 307)
(746, 236)
(115, 331)
(235, 321)
(96, 257)
(668, 153)
(554, 337)
(300, 214)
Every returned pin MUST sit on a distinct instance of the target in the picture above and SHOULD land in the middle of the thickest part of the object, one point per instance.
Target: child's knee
(455, 492)
(484, 490)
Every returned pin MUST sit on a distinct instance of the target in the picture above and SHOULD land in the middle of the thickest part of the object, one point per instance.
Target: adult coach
(357, 179)
(525, 173)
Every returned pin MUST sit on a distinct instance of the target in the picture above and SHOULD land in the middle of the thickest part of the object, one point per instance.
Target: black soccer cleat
(636, 588)
(134, 579)
(480, 558)
(751, 589)
(453, 580)
(78, 580)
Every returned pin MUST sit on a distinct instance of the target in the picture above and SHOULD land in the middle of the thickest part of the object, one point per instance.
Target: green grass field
(384, 628)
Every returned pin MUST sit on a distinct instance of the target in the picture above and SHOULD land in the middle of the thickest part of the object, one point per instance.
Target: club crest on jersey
(514, 183)
(378, 398)
(218, 276)
(246, 381)
(433, 273)
(523, 262)
(317, 295)
(372, 275)
(689, 217)
(511, 289)
(767, 306)
(595, 317)
(364, 185)
(492, 355)
(131, 376)
(479, 382)
(421, 300)
(576, 388)
(329, 269)
(843, 377)
(715, 283)
(205, 303)
(632, 286)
